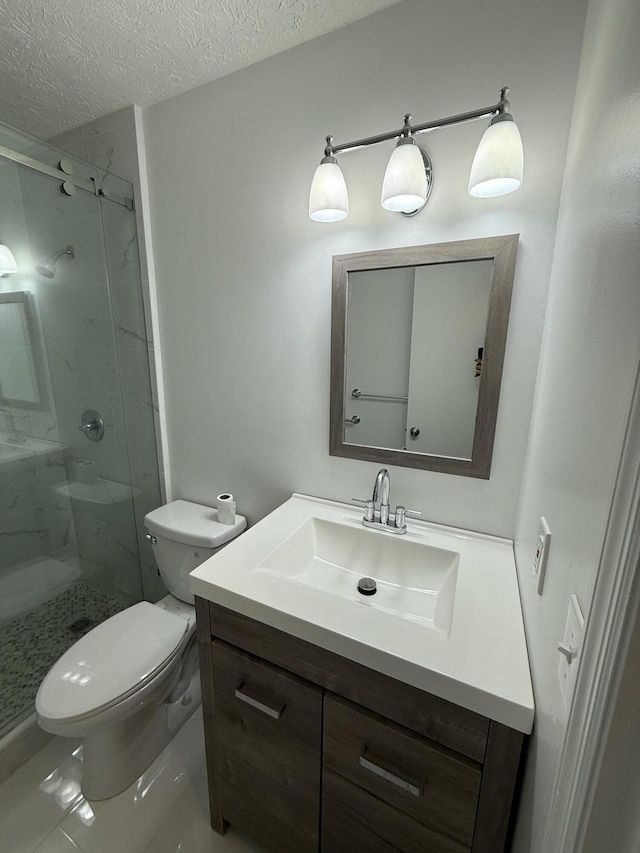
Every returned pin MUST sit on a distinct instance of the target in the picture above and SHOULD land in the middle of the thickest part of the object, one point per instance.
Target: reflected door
(450, 307)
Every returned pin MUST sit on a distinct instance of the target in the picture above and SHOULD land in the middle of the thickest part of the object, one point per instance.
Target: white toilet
(128, 685)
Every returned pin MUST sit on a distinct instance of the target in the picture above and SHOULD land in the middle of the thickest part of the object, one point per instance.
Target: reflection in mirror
(21, 366)
(430, 323)
(418, 343)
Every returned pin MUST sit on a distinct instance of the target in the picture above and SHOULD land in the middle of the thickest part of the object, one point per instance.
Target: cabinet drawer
(428, 783)
(354, 820)
(269, 733)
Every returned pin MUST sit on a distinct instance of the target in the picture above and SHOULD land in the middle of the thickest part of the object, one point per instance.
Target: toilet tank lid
(192, 524)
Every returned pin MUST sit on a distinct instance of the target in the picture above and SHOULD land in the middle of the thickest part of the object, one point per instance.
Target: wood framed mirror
(418, 337)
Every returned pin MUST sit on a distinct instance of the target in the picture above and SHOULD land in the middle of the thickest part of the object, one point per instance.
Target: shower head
(48, 269)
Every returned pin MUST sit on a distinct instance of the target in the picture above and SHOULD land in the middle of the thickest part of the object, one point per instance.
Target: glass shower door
(69, 555)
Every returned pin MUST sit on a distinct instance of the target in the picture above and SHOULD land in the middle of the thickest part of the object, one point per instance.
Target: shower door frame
(64, 172)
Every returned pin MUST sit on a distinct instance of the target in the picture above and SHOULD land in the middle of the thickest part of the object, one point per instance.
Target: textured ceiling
(65, 62)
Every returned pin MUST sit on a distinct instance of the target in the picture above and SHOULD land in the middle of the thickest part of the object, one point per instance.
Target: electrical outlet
(542, 554)
(569, 649)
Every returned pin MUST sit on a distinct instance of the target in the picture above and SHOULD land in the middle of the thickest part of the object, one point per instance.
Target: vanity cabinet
(310, 751)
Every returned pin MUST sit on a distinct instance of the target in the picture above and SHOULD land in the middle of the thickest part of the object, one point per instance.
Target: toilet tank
(183, 535)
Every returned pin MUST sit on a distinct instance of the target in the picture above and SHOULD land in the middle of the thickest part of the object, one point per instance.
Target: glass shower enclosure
(78, 457)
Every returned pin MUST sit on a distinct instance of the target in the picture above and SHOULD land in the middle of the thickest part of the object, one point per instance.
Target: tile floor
(165, 811)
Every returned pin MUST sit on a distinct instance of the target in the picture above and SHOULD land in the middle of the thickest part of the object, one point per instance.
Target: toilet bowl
(128, 685)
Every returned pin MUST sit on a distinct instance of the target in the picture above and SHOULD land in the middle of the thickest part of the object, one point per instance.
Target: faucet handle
(401, 514)
(369, 507)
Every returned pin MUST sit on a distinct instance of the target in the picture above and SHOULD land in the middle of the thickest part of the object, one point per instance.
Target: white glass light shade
(499, 162)
(404, 188)
(7, 261)
(328, 199)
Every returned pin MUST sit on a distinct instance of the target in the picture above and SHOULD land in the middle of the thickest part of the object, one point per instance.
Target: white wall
(244, 276)
(589, 361)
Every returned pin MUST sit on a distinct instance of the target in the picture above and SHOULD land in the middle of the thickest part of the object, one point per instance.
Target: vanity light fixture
(328, 200)
(7, 261)
(497, 166)
(405, 186)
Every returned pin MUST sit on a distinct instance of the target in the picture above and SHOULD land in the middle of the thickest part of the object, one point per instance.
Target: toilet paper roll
(86, 472)
(226, 509)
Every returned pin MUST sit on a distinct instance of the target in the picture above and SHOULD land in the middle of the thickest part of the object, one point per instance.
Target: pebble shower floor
(31, 643)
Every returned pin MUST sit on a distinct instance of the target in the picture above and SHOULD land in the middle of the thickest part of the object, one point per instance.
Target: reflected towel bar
(358, 394)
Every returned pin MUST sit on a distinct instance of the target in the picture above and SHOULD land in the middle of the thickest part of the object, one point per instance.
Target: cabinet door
(269, 734)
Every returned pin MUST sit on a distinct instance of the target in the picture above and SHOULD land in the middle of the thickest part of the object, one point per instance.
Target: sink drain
(367, 586)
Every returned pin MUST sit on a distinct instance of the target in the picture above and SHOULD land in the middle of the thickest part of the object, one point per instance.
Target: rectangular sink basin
(414, 580)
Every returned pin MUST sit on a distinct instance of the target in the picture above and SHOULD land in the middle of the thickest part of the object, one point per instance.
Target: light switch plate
(541, 554)
(569, 649)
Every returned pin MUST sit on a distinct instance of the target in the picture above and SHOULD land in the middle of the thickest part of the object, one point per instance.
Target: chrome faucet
(378, 513)
(14, 435)
(381, 495)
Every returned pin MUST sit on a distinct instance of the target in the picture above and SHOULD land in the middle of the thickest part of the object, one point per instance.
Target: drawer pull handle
(398, 781)
(275, 713)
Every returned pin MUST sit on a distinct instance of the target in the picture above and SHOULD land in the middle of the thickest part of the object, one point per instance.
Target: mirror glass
(418, 344)
(20, 353)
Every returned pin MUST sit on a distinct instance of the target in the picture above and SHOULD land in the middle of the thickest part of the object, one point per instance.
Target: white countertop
(480, 664)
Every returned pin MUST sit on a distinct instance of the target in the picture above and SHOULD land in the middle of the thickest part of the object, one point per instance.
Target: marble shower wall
(110, 143)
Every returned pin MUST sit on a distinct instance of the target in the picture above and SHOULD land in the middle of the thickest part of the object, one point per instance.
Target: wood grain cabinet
(308, 751)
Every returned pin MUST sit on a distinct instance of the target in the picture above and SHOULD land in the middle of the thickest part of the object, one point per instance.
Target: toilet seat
(117, 659)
